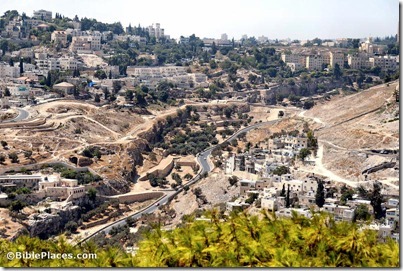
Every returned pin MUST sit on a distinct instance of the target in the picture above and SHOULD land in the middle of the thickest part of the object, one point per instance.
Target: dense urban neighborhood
(154, 151)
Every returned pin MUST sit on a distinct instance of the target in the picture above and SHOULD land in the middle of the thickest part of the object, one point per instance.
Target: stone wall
(140, 197)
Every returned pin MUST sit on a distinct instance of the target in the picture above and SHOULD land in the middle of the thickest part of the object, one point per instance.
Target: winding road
(22, 115)
(202, 158)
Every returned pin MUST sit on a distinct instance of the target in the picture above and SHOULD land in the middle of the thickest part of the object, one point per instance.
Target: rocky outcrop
(46, 224)
(84, 161)
(113, 187)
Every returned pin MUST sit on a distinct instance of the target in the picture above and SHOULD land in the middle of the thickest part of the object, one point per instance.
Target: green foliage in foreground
(240, 240)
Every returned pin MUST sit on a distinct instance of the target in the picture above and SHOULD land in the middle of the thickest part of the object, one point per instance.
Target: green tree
(304, 153)
(233, 180)
(188, 176)
(213, 48)
(92, 194)
(21, 66)
(7, 92)
(281, 170)
(287, 197)
(213, 64)
(312, 141)
(100, 74)
(376, 200)
(337, 73)
(362, 213)
(14, 157)
(28, 154)
(282, 193)
(17, 205)
(116, 85)
(71, 226)
(97, 98)
(129, 95)
(320, 194)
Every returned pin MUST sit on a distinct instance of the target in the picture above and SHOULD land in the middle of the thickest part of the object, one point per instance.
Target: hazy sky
(295, 19)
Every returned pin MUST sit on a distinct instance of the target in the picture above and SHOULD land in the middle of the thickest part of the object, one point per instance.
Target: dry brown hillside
(350, 127)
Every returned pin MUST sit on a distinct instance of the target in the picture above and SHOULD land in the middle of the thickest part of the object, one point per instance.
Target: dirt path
(320, 169)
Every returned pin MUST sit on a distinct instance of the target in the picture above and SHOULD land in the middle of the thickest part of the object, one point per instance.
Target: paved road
(23, 114)
(205, 167)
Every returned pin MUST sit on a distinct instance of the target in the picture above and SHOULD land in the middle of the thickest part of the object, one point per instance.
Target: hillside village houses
(302, 193)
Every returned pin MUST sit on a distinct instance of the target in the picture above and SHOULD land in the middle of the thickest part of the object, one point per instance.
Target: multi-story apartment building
(68, 63)
(9, 71)
(85, 43)
(48, 64)
(31, 23)
(314, 62)
(43, 15)
(75, 32)
(294, 61)
(53, 64)
(291, 58)
(326, 57)
(295, 66)
(59, 37)
(354, 61)
(336, 58)
(156, 31)
(384, 62)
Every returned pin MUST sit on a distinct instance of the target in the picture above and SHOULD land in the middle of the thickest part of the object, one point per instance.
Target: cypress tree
(320, 194)
(21, 66)
(283, 191)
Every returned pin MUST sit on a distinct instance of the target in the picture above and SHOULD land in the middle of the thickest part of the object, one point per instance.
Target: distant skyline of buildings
(273, 19)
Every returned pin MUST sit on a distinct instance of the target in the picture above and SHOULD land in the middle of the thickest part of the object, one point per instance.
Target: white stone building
(59, 37)
(42, 15)
(68, 63)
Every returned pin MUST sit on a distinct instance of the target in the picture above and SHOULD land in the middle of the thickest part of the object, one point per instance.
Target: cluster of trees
(281, 170)
(177, 138)
(92, 152)
(156, 181)
(92, 24)
(237, 241)
(243, 240)
(84, 177)
(192, 142)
